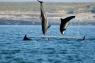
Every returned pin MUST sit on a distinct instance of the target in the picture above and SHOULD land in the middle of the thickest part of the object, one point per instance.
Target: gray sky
(49, 0)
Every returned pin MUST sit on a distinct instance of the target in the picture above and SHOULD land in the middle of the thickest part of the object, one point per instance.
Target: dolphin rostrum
(64, 22)
(44, 22)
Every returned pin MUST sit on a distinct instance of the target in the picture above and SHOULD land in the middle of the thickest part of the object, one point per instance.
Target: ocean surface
(47, 50)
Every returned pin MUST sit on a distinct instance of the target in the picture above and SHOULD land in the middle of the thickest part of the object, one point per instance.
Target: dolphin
(26, 38)
(44, 22)
(64, 22)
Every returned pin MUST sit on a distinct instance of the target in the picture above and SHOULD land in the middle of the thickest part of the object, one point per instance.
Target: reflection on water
(42, 50)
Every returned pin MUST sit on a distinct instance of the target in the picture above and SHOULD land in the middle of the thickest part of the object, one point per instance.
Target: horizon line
(45, 2)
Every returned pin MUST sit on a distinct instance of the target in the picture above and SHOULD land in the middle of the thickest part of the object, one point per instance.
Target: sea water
(43, 50)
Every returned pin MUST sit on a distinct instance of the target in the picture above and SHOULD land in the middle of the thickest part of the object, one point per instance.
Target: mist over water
(42, 50)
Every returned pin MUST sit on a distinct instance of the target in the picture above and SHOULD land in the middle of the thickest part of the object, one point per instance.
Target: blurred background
(28, 12)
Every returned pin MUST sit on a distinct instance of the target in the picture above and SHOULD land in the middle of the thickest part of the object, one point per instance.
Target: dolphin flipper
(49, 26)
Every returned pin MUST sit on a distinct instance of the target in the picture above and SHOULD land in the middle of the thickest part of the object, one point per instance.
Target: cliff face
(24, 12)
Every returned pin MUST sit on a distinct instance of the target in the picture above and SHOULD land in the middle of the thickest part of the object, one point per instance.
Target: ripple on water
(42, 50)
(9, 51)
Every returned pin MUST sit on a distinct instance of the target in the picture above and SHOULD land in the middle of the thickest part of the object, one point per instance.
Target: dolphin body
(44, 22)
(64, 22)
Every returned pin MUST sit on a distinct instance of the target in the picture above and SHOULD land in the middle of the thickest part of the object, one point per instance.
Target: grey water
(42, 50)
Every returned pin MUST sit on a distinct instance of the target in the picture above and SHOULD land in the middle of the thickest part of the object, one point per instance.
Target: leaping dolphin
(44, 22)
(64, 22)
